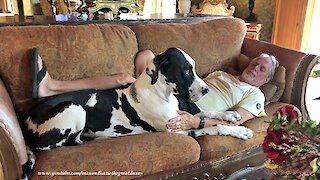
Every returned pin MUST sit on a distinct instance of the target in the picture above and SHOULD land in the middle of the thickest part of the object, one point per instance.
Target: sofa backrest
(212, 44)
(69, 52)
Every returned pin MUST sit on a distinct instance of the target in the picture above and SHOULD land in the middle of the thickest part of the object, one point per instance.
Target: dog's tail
(27, 167)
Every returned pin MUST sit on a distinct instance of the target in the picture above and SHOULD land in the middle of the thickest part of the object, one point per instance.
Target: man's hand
(184, 121)
(124, 78)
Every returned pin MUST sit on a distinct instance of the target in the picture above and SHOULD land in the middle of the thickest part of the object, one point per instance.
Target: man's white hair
(274, 62)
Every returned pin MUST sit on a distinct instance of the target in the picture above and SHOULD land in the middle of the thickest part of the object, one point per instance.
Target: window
(6, 6)
(166, 7)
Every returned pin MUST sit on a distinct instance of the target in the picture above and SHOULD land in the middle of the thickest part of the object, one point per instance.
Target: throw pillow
(269, 91)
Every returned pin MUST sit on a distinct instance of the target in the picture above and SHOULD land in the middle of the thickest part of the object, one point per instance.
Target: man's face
(257, 72)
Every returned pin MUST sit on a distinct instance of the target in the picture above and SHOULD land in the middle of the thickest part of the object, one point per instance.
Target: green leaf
(277, 126)
(314, 165)
(276, 120)
(284, 120)
(313, 124)
(278, 115)
(317, 72)
(303, 123)
(311, 178)
(271, 127)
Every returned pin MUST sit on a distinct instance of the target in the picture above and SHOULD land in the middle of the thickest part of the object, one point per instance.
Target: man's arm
(245, 115)
(187, 121)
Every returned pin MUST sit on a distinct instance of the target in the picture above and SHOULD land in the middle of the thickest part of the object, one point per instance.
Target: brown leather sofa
(79, 51)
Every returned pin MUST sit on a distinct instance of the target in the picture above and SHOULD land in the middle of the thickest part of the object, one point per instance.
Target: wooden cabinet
(253, 30)
(288, 25)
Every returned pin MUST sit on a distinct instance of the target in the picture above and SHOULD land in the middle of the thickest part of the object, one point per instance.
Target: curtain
(314, 36)
(311, 36)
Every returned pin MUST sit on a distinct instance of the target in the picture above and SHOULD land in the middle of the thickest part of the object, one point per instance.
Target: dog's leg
(78, 140)
(236, 131)
(231, 116)
(75, 119)
(27, 167)
(74, 139)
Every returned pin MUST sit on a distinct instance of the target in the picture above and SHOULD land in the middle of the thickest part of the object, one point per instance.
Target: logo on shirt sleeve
(258, 106)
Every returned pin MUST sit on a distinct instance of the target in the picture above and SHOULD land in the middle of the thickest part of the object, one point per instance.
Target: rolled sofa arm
(298, 67)
(12, 146)
(10, 167)
(300, 84)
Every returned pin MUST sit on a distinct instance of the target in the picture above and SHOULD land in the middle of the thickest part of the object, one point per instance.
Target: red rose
(276, 136)
(289, 111)
(292, 113)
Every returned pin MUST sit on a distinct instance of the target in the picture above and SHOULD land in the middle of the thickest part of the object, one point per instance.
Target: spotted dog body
(141, 107)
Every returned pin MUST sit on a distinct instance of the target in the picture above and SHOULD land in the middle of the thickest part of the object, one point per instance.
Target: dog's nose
(204, 90)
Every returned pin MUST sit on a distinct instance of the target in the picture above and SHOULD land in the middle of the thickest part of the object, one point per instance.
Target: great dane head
(176, 69)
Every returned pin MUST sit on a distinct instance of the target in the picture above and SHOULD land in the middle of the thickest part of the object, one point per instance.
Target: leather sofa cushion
(212, 44)
(9, 123)
(1, 172)
(217, 147)
(69, 52)
(146, 153)
(9, 160)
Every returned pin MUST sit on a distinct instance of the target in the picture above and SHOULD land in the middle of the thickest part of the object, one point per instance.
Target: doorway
(310, 44)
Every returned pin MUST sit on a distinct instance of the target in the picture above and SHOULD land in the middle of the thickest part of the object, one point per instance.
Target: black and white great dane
(141, 107)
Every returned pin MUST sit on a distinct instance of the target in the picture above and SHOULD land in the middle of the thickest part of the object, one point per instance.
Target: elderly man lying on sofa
(240, 94)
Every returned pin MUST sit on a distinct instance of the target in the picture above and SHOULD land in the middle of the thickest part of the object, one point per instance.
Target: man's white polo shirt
(227, 92)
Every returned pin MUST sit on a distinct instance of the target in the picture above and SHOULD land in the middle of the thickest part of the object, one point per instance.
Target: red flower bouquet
(276, 137)
(293, 148)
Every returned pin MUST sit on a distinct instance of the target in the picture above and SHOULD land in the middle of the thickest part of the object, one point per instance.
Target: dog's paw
(235, 131)
(79, 141)
(231, 116)
(244, 133)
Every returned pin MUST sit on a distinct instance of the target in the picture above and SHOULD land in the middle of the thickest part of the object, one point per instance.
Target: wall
(264, 10)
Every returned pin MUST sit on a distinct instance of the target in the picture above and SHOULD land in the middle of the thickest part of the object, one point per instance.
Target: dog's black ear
(160, 63)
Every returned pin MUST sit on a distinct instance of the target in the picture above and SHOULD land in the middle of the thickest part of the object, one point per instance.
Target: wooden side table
(253, 30)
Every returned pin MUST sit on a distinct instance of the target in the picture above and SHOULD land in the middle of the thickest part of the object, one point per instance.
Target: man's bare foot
(45, 83)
